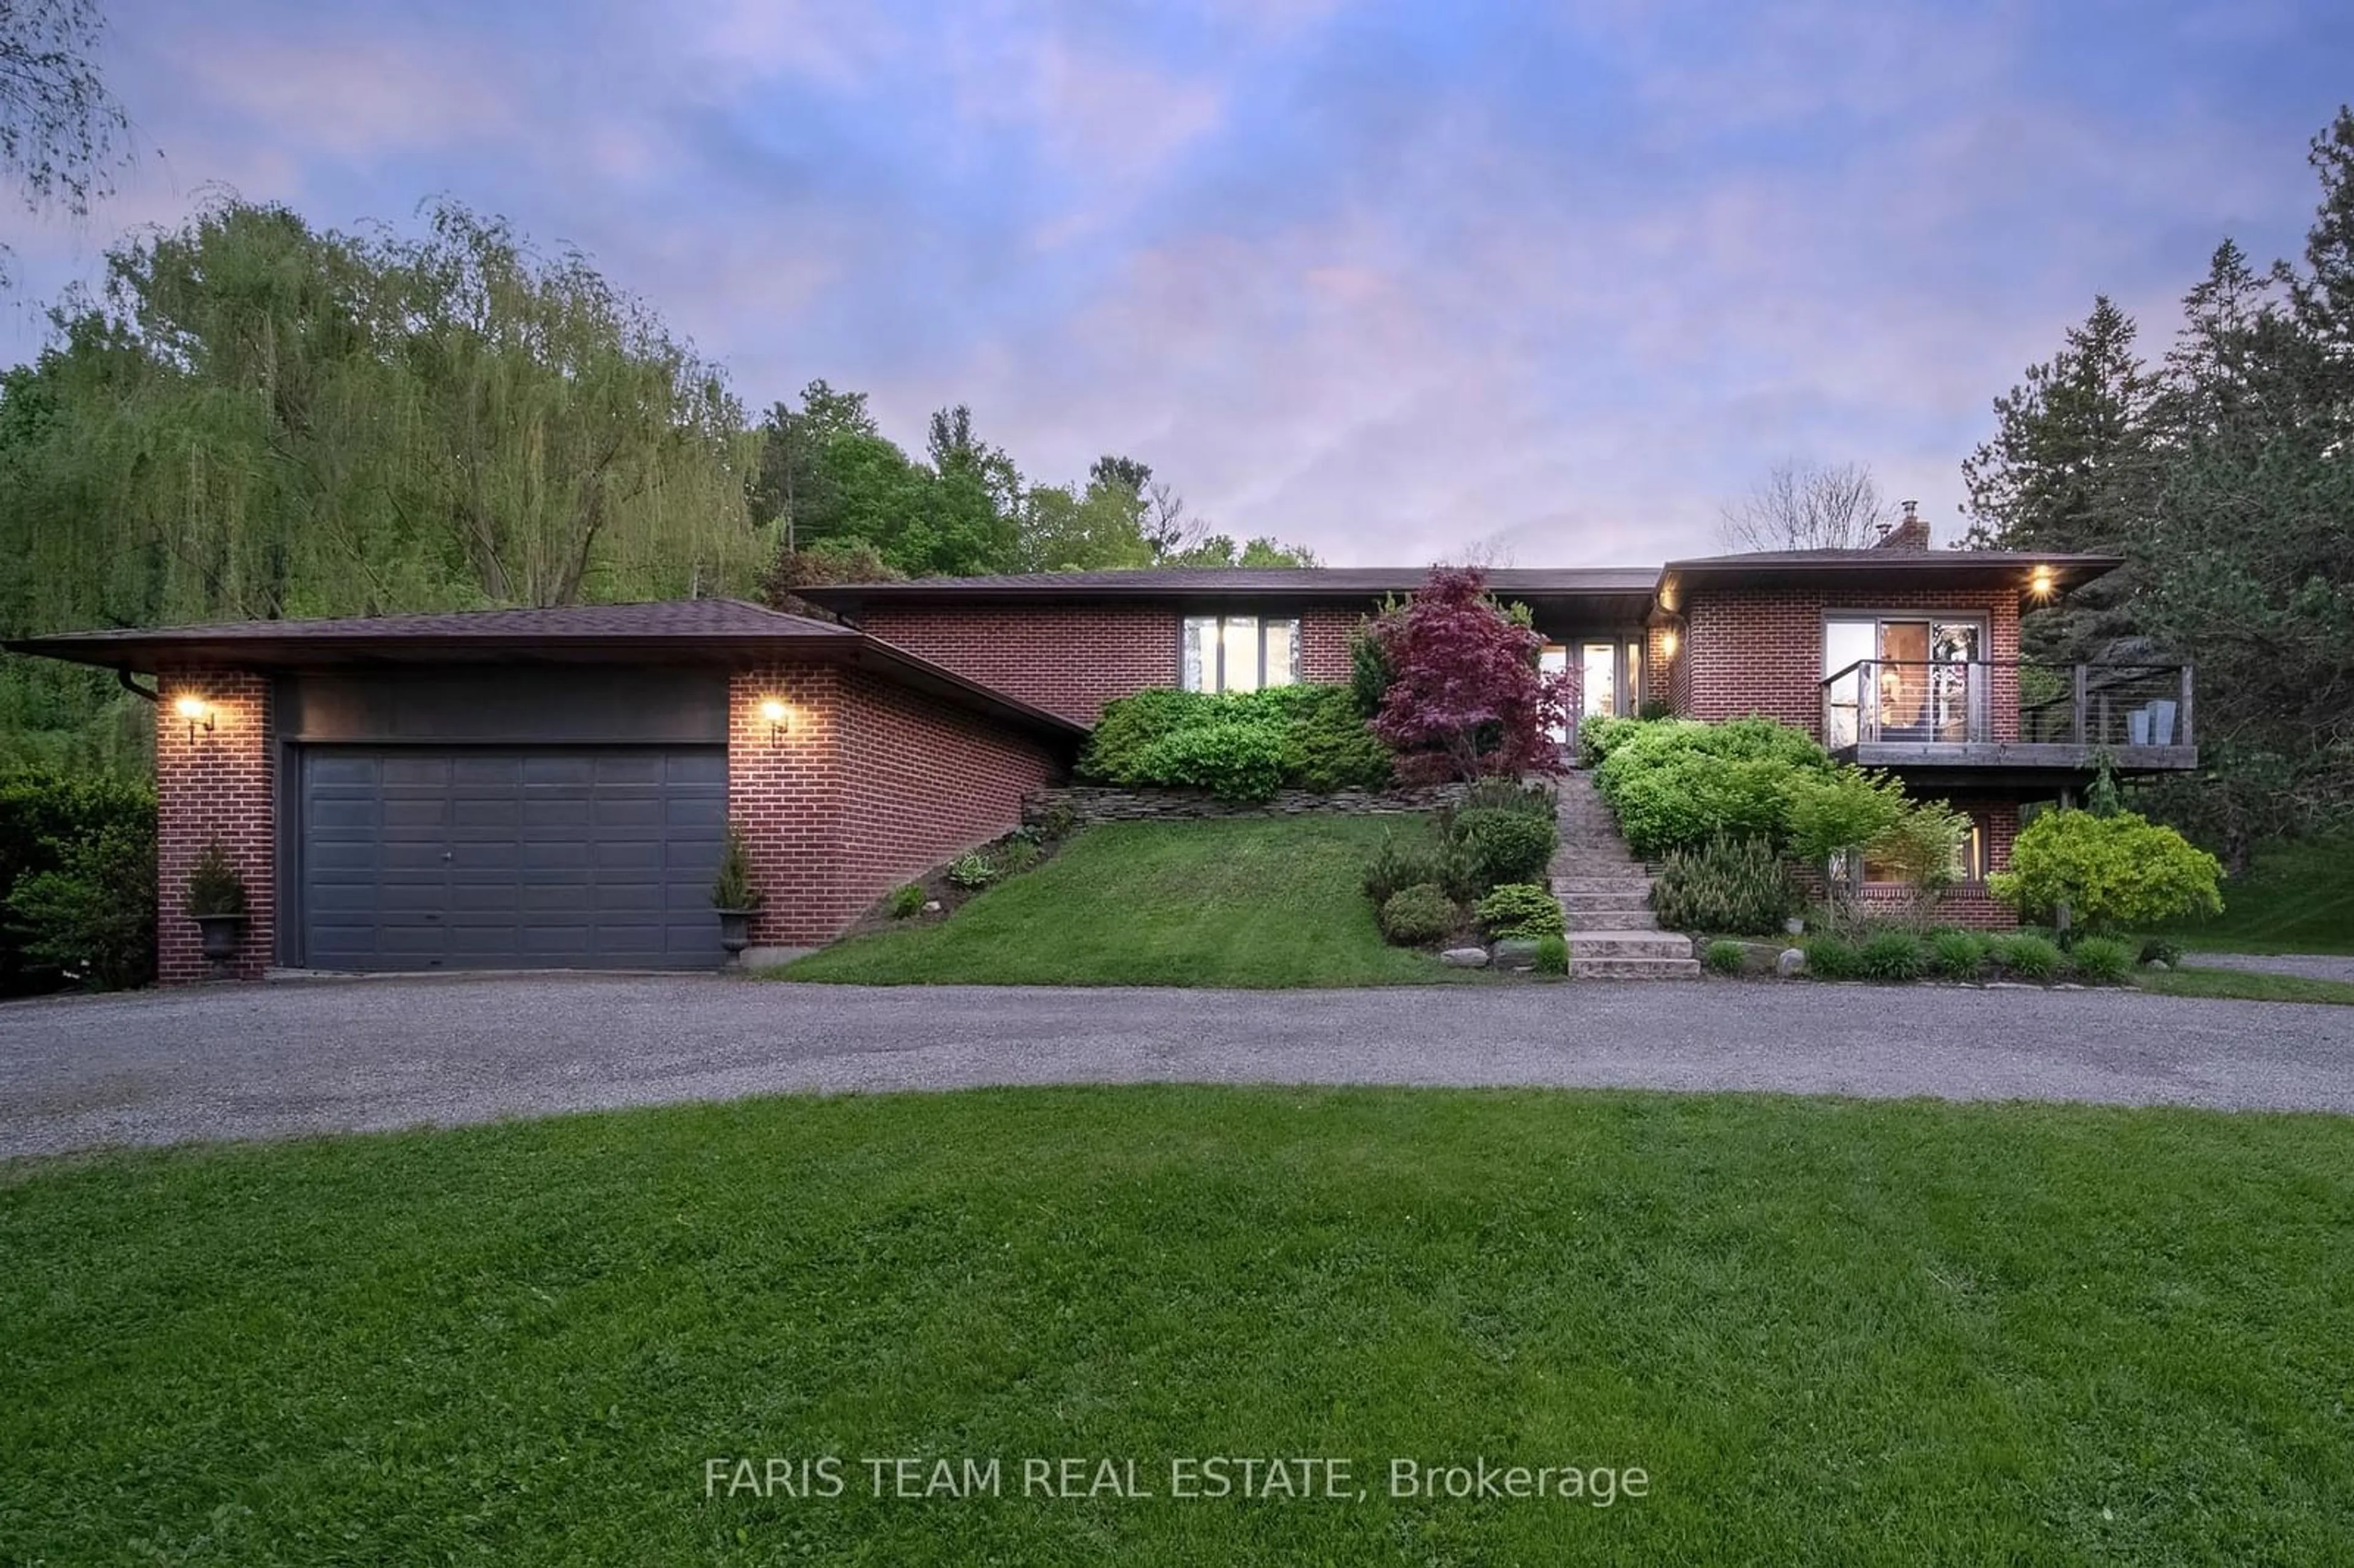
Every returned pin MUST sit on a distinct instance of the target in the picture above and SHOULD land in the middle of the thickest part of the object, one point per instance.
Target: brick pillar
(215, 783)
(786, 795)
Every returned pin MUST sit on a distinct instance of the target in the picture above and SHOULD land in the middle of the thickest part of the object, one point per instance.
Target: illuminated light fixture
(2039, 583)
(196, 711)
(1667, 644)
(780, 718)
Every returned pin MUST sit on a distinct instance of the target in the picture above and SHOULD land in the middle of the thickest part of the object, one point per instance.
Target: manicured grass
(1233, 903)
(2298, 897)
(1830, 1332)
(2245, 985)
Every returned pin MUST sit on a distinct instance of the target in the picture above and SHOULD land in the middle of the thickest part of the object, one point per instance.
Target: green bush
(1234, 762)
(1599, 735)
(1553, 956)
(1334, 748)
(2103, 960)
(1957, 955)
(1677, 783)
(1520, 909)
(1017, 856)
(1414, 916)
(1503, 844)
(2027, 957)
(906, 902)
(1725, 956)
(1831, 958)
(1242, 747)
(100, 832)
(1894, 956)
(2120, 870)
(2159, 950)
(1411, 857)
(90, 919)
(1737, 886)
(971, 871)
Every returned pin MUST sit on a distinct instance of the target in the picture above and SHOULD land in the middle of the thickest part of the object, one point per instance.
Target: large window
(1238, 653)
(1902, 678)
(1969, 860)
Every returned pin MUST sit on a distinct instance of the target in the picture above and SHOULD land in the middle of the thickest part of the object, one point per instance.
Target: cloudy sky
(1393, 281)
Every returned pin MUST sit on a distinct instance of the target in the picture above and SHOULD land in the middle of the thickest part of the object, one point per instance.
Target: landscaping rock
(931, 905)
(1515, 953)
(1791, 963)
(2160, 965)
(1465, 958)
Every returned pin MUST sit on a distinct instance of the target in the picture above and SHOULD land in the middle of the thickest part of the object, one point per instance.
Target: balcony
(2010, 719)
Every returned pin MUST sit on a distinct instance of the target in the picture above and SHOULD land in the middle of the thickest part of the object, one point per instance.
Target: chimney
(1912, 534)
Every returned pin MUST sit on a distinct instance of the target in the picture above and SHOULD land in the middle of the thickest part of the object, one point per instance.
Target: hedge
(1243, 746)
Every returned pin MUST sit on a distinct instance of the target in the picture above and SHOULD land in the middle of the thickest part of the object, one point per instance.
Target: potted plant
(732, 895)
(217, 901)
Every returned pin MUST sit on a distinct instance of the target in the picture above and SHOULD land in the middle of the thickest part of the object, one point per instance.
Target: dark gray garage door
(542, 857)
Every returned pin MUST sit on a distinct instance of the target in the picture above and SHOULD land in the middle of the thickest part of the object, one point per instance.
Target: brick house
(549, 788)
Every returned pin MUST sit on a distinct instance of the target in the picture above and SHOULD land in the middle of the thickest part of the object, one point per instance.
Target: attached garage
(491, 858)
(552, 788)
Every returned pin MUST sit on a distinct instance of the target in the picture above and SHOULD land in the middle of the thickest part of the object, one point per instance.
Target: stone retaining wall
(1095, 804)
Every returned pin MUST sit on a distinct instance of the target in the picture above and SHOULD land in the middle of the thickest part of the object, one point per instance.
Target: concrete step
(1633, 884)
(1635, 969)
(1588, 917)
(1628, 945)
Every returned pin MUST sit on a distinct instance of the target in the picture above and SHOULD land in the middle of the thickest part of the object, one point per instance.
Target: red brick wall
(1072, 659)
(1760, 651)
(872, 784)
(1324, 636)
(216, 784)
(1066, 660)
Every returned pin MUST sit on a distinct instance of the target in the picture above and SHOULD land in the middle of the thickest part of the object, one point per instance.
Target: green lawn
(2245, 985)
(1830, 1332)
(1239, 902)
(2298, 897)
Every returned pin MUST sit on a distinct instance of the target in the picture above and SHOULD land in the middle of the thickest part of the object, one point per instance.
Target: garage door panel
(586, 856)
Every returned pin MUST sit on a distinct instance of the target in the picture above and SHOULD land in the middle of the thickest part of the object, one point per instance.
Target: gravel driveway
(322, 1056)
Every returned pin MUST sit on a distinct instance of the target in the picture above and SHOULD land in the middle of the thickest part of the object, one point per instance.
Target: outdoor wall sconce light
(1667, 644)
(196, 711)
(780, 719)
(2039, 582)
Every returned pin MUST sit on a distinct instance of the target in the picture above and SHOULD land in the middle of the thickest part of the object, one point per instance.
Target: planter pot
(2137, 727)
(2161, 721)
(735, 930)
(1794, 926)
(221, 935)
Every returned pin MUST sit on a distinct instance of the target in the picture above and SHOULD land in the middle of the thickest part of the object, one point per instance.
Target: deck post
(2080, 704)
(2186, 736)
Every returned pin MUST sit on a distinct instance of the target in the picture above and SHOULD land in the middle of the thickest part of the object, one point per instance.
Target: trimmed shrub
(733, 888)
(1601, 735)
(215, 886)
(1831, 958)
(1503, 844)
(1241, 746)
(971, 871)
(2121, 870)
(2159, 950)
(1677, 783)
(2027, 957)
(906, 901)
(1553, 956)
(1412, 858)
(1894, 956)
(1725, 956)
(1417, 915)
(1245, 760)
(1520, 909)
(1737, 886)
(1957, 955)
(2103, 960)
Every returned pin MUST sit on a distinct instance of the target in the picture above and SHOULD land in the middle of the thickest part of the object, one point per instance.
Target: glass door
(1553, 659)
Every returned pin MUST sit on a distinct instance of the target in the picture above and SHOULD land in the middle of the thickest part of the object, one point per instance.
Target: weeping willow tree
(254, 419)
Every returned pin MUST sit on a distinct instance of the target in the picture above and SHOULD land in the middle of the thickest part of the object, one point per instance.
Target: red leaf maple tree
(1466, 698)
